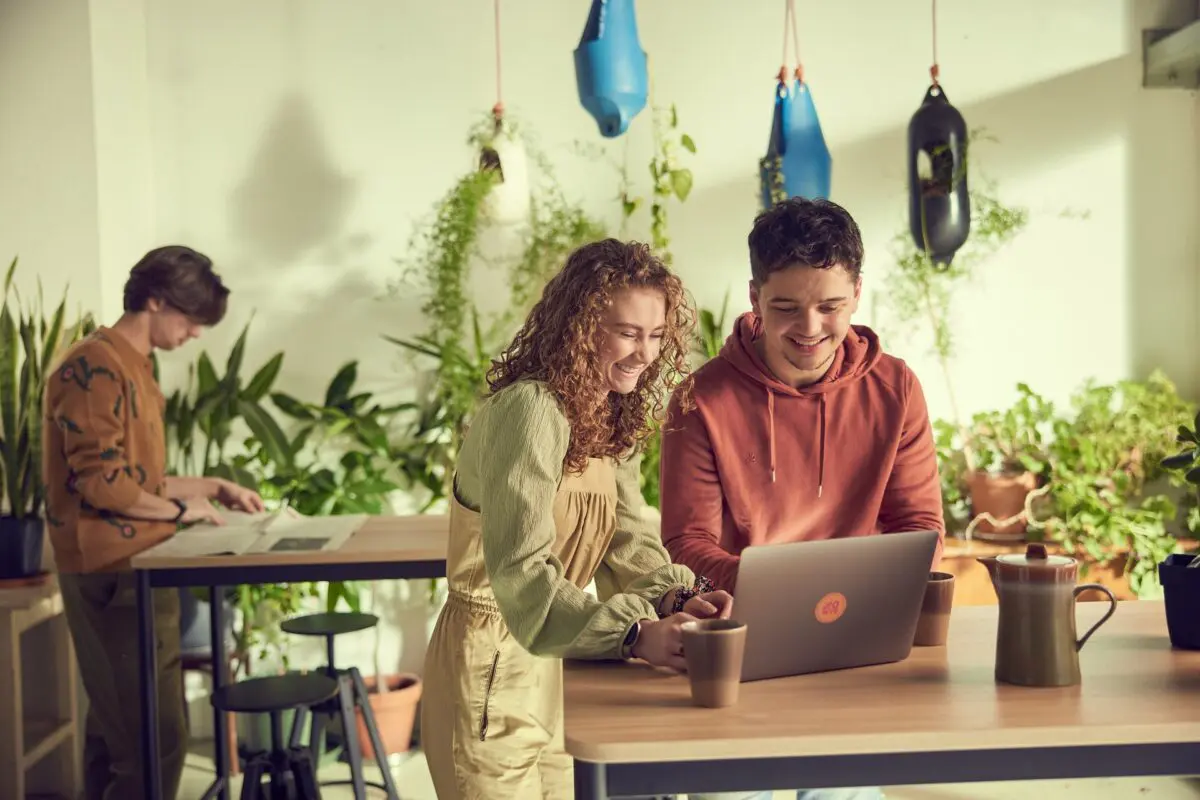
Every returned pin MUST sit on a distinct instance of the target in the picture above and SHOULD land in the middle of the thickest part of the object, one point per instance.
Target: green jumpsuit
(525, 539)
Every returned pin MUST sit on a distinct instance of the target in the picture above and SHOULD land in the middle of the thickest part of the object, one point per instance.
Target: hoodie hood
(857, 356)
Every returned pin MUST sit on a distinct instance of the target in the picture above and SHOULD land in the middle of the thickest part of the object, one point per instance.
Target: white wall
(48, 202)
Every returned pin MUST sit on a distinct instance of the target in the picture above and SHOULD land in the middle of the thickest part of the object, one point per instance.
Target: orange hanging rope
(789, 26)
(933, 69)
(799, 71)
(498, 109)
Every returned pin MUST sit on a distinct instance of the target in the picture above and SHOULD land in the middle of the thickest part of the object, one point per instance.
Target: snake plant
(29, 344)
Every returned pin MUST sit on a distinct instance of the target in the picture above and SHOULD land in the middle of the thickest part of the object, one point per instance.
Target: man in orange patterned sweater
(108, 497)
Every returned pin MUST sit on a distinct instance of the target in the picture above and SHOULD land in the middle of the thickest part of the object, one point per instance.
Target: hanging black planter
(939, 208)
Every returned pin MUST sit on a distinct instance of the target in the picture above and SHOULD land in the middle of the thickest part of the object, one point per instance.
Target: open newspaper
(278, 531)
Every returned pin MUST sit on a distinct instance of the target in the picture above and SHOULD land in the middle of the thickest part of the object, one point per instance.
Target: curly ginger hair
(558, 345)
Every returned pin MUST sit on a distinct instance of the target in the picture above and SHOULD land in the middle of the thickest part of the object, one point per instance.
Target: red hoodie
(758, 462)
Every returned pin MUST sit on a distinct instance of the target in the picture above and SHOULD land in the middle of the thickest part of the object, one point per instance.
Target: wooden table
(39, 720)
(937, 717)
(385, 548)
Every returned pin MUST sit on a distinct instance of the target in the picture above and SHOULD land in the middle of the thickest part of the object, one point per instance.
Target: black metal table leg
(216, 632)
(381, 756)
(148, 674)
(590, 783)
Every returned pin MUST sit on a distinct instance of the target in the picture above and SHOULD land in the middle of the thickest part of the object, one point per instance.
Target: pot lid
(1036, 557)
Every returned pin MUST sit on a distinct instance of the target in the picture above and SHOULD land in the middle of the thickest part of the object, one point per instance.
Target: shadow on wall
(293, 201)
(302, 267)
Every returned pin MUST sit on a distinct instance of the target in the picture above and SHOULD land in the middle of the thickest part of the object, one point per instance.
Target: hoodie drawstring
(771, 439)
(771, 428)
(821, 463)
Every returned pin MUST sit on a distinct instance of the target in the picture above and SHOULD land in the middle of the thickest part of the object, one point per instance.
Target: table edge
(867, 745)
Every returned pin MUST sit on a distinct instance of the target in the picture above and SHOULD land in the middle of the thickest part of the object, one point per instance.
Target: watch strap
(182, 506)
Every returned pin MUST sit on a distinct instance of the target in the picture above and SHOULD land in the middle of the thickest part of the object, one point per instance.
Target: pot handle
(1111, 610)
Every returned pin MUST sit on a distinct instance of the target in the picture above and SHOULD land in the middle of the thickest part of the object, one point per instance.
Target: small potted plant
(1180, 582)
(1009, 450)
(30, 345)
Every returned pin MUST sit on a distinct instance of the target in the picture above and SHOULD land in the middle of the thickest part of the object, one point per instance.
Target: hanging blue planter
(807, 165)
(610, 66)
(797, 163)
(939, 205)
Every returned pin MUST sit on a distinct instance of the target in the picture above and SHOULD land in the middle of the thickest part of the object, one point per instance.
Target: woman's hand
(660, 642)
(718, 605)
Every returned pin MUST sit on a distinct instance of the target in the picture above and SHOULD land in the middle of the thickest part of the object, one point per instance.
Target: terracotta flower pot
(395, 713)
(1002, 496)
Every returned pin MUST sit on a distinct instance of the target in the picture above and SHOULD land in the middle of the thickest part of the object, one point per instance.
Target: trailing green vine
(459, 340)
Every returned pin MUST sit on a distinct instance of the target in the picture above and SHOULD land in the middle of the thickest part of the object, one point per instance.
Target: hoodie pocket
(489, 686)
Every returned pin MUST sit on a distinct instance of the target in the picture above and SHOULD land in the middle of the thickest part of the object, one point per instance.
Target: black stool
(352, 693)
(291, 771)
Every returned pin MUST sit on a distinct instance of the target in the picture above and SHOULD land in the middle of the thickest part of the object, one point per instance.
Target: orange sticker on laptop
(831, 607)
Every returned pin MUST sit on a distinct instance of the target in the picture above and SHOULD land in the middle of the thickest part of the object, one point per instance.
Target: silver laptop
(831, 604)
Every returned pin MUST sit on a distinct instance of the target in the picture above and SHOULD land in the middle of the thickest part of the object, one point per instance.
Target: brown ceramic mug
(933, 626)
(714, 649)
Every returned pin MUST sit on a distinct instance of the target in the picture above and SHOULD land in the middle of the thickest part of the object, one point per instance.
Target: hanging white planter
(508, 203)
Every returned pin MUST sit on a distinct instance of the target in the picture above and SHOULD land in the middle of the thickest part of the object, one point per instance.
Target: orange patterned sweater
(103, 443)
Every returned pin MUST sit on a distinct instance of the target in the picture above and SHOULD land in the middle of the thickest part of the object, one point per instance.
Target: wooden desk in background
(937, 717)
(385, 548)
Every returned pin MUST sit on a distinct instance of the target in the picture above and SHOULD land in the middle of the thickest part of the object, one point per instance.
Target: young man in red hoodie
(803, 428)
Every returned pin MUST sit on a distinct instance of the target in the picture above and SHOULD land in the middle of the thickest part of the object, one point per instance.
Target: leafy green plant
(669, 178)
(458, 342)
(338, 459)
(1103, 458)
(1187, 463)
(201, 415)
(29, 345)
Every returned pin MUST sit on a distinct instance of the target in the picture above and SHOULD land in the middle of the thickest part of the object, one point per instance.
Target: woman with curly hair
(545, 499)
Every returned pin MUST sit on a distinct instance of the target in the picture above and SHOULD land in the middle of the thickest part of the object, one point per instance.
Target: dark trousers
(101, 611)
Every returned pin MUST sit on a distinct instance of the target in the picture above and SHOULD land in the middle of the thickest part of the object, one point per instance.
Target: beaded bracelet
(702, 586)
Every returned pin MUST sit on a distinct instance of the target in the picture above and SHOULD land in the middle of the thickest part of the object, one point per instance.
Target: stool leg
(316, 736)
(252, 780)
(297, 726)
(350, 736)
(381, 757)
(304, 775)
(280, 786)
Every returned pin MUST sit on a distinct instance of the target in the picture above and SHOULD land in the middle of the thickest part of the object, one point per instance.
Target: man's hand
(239, 498)
(718, 604)
(661, 642)
(199, 509)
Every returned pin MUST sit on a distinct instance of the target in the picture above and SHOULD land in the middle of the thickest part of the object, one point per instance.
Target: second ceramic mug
(933, 625)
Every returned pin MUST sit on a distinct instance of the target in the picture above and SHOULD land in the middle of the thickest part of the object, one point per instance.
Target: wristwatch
(635, 630)
(182, 506)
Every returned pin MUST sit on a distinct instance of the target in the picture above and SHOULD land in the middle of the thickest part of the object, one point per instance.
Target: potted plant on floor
(29, 345)
(1180, 582)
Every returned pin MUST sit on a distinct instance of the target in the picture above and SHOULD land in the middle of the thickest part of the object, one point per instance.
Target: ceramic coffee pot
(1035, 639)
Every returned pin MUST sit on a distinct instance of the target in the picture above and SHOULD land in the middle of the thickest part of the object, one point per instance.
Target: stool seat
(275, 693)
(330, 624)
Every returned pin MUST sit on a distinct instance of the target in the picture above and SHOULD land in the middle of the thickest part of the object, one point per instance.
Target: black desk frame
(215, 579)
